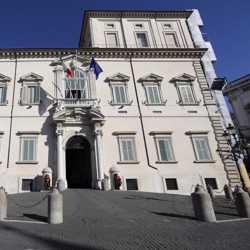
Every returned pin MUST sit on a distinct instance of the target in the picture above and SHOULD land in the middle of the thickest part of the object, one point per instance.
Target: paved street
(120, 220)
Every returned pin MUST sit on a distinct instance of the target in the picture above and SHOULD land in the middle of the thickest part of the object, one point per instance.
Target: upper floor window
(119, 89)
(141, 39)
(185, 91)
(77, 87)
(112, 39)
(171, 40)
(30, 91)
(201, 147)
(1, 134)
(152, 86)
(3, 89)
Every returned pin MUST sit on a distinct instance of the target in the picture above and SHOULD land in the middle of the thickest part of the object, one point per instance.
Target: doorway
(78, 163)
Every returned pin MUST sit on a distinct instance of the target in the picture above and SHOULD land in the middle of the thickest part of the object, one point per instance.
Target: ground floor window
(212, 182)
(171, 184)
(132, 184)
(27, 184)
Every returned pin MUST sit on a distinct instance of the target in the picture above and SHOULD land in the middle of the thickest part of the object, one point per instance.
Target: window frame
(176, 45)
(126, 136)
(196, 135)
(3, 96)
(113, 86)
(25, 94)
(169, 151)
(146, 39)
(116, 38)
(28, 136)
(148, 101)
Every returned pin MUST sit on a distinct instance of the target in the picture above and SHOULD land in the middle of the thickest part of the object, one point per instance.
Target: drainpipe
(11, 114)
(140, 115)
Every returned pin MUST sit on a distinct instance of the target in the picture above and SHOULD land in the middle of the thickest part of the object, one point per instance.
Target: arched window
(77, 87)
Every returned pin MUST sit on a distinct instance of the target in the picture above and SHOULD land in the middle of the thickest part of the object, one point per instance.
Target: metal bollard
(3, 204)
(242, 203)
(203, 207)
(211, 191)
(55, 207)
(228, 192)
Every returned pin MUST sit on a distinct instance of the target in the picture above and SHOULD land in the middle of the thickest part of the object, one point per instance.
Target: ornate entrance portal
(78, 163)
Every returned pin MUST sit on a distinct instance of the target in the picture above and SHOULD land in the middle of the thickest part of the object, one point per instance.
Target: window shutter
(165, 150)
(37, 94)
(3, 91)
(187, 95)
(112, 40)
(24, 94)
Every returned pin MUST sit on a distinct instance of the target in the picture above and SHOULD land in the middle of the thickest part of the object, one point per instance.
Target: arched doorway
(78, 163)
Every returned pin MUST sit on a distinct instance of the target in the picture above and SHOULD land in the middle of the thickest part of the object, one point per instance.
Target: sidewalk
(120, 220)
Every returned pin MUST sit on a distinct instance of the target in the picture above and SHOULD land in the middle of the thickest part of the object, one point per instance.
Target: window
(111, 39)
(138, 25)
(186, 93)
(167, 26)
(30, 94)
(119, 94)
(1, 134)
(3, 91)
(77, 87)
(110, 25)
(212, 182)
(153, 94)
(28, 149)
(141, 40)
(171, 40)
(131, 184)
(164, 149)
(127, 149)
(201, 149)
(27, 184)
(171, 184)
(126, 142)
(184, 86)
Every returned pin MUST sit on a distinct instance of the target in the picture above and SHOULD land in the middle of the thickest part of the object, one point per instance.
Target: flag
(66, 68)
(96, 67)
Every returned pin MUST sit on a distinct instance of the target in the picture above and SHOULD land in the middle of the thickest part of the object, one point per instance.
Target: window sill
(155, 104)
(166, 162)
(189, 104)
(27, 162)
(3, 104)
(205, 161)
(128, 162)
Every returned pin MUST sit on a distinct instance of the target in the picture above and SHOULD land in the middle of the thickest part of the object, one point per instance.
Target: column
(98, 133)
(59, 132)
(58, 81)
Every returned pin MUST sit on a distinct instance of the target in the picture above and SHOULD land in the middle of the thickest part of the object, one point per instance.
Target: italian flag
(66, 68)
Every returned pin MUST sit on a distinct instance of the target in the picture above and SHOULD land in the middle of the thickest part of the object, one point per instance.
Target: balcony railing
(70, 102)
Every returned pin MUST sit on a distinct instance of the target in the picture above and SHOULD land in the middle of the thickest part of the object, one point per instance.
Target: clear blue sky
(57, 24)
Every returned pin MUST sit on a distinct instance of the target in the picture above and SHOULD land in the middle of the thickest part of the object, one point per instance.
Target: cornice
(101, 53)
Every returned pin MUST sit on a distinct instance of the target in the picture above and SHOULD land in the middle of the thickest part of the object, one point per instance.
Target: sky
(57, 24)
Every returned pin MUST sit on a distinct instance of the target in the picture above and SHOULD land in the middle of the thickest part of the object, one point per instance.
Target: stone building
(149, 116)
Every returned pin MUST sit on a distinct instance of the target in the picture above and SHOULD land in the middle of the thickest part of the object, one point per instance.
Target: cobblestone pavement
(120, 220)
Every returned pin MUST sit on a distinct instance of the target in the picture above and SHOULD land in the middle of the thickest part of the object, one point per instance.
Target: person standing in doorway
(117, 181)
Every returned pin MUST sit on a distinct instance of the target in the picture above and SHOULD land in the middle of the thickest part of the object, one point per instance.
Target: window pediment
(118, 77)
(72, 58)
(151, 78)
(183, 78)
(4, 78)
(31, 77)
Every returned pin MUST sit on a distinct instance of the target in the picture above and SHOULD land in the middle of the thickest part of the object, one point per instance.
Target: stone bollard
(55, 207)
(105, 185)
(228, 192)
(203, 207)
(3, 204)
(210, 190)
(242, 203)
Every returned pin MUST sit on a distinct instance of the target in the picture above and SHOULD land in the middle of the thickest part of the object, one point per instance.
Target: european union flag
(96, 67)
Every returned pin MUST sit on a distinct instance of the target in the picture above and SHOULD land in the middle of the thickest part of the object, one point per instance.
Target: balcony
(82, 103)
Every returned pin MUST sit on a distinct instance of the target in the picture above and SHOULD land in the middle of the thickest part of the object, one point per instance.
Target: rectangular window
(27, 184)
(153, 95)
(164, 149)
(3, 91)
(30, 94)
(212, 182)
(142, 40)
(127, 149)
(112, 41)
(171, 184)
(28, 149)
(187, 96)
(131, 184)
(76, 88)
(171, 40)
(201, 149)
(119, 94)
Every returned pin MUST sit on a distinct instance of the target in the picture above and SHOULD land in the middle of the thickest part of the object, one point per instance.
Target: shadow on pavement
(36, 217)
(176, 215)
